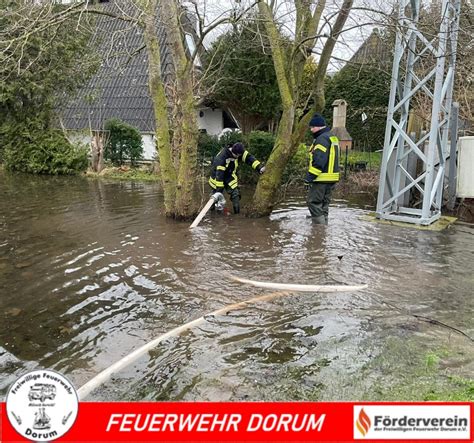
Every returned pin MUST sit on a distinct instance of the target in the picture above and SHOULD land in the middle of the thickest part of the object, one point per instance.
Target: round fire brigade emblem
(42, 405)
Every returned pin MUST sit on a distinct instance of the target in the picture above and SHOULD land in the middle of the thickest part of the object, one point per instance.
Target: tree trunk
(188, 132)
(100, 162)
(186, 201)
(160, 107)
(97, 150)
(268, 185)
(94, 154)
(99, 144)
(288, 71)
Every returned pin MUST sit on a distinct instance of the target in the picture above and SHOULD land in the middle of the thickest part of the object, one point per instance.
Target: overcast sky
(359, 24)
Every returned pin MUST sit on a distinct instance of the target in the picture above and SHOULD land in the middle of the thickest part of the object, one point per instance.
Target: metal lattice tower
(413, 167)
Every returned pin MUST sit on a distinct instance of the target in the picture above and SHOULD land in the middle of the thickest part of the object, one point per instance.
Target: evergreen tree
(41, 62)
(365, 89)
(241, 76)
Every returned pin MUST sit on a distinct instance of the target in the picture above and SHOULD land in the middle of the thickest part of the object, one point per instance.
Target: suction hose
(289, 289)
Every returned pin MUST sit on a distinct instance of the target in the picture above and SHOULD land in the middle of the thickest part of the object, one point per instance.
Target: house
(119, 89)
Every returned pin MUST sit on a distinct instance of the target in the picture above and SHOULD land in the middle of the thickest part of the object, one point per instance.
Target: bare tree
(289, 65)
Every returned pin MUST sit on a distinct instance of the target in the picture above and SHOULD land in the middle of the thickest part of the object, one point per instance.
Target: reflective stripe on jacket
(324, 158)
(224, 169)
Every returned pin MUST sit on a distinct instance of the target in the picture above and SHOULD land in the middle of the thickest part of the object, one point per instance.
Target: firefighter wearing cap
(323, 170)
(224, 171)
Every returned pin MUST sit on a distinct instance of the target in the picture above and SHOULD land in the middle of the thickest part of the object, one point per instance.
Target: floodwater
(91, 270)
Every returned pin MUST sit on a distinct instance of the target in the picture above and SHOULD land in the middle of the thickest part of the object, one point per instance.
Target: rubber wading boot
(319, 220)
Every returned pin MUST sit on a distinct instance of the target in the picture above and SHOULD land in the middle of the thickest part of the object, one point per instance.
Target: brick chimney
(339, 124)
(339, 113)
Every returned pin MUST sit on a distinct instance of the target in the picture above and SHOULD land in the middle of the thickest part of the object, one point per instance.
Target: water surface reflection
(90, 270)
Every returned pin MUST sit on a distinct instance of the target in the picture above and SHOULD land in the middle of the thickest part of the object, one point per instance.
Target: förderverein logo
(363, 422)
(414, 422)
(42, 405)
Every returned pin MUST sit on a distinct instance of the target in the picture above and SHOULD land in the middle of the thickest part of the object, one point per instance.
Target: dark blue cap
(317, 120)
(238, 149)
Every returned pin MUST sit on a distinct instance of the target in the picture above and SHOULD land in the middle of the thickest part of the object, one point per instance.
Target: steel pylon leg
(414, 195)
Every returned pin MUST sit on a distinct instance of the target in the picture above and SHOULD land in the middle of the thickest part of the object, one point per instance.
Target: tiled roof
(375, 50)
(119, 89)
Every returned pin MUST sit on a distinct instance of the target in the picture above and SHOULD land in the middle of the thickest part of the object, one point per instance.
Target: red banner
(232, 422)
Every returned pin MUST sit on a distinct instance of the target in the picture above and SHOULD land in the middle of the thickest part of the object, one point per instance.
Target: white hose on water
(218, 199)
(105, 375)
(299, 288)
(203, 212)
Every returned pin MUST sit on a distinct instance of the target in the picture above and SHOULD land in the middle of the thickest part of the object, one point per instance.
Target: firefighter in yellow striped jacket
(224, 171)
(323, 170)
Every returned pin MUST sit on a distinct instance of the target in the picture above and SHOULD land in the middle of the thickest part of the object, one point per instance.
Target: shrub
(241, 74)
(208, 147)
(124, 142)
(34, 149)
(40, 73)
(297, 167)
(231, 137)
(261, 144)
(366, 89)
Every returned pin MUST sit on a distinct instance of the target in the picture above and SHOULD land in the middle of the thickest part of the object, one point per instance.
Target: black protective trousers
(318, 199)
(234, 195)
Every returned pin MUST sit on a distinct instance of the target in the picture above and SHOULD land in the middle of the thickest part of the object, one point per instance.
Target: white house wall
(149, 149)
(212, 120)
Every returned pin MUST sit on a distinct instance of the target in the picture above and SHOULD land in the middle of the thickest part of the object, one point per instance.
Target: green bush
(297, 167)
(124, 142)
(260, 144)
(231, 137)
(240, 72)
(43, 70)
(33, 148)
(208, 147)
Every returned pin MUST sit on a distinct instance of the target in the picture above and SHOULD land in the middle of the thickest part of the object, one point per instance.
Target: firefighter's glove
(306, 186)
(262, 170)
